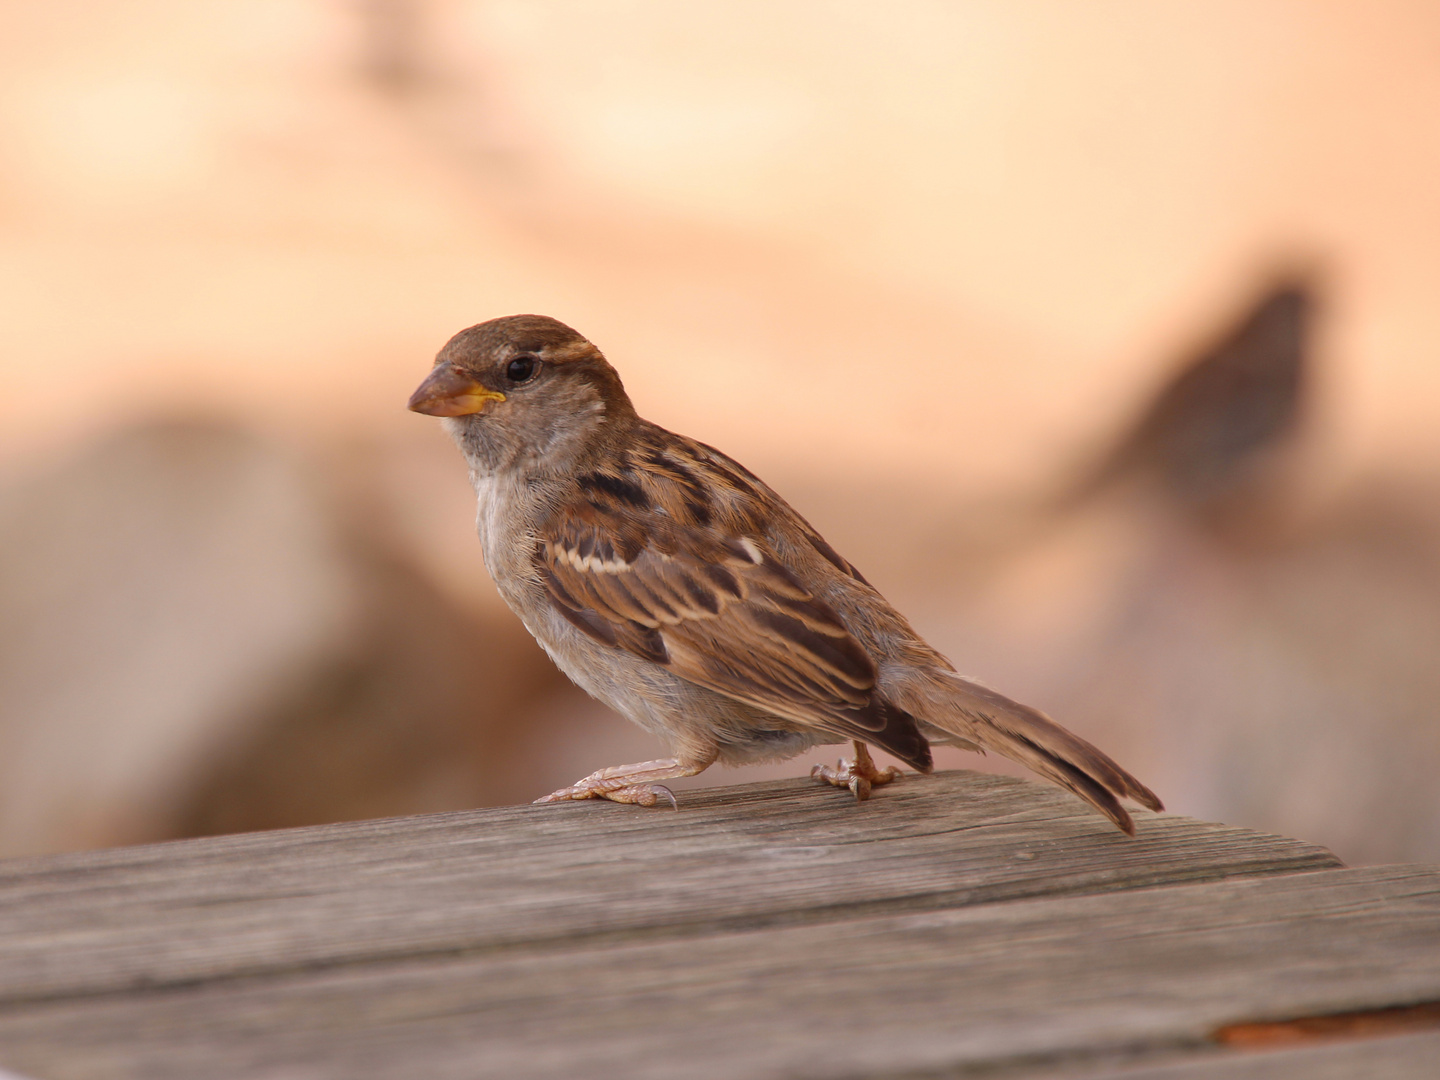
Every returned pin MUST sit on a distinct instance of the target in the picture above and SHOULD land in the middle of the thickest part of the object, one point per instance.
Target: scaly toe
(859, 778)
(565, 794)
(643, 795)
(839, 776)
(636, 794)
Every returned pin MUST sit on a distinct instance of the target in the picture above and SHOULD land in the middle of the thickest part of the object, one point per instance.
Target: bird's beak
(448, 391)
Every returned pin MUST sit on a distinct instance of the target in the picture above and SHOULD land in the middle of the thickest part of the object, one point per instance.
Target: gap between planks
(1028, 985)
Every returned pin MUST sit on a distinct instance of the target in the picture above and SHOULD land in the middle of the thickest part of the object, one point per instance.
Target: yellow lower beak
(448, 391)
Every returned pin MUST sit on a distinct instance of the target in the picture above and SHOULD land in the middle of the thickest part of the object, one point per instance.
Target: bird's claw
(859, 776)
(646, 795)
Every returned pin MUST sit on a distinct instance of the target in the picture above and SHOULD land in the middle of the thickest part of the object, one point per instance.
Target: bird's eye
(522, 368)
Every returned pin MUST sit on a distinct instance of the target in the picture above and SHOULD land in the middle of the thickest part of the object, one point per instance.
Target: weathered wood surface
(957, 923)
(523, 876)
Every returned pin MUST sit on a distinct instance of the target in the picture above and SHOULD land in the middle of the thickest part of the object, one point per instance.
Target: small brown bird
(675, 586)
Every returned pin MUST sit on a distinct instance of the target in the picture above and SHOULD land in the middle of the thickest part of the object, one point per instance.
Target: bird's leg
(859, 775)
(632, 783)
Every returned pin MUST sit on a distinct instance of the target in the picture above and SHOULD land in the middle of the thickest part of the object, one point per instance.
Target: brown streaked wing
(728, 474)
(721, 613)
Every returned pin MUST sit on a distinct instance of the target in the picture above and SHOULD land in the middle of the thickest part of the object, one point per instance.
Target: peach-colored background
(911, 262)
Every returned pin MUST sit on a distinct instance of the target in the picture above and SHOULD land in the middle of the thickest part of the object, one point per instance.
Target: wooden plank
(764, 854)
(1023, 986)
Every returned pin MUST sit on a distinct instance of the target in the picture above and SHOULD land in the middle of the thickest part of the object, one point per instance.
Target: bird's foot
(617, 786)
(629, 783)
(859, 775)
(639, 794)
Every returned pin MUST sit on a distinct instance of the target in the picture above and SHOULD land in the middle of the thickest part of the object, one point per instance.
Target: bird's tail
(963, 712)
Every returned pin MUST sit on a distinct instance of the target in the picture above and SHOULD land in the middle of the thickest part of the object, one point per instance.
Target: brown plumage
(674, 585)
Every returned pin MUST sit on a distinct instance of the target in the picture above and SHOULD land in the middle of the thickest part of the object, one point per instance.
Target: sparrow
(675, 586)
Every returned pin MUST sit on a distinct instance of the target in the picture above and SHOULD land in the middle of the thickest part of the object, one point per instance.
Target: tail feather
(1068, 775)
(893, 730)
(966, 712)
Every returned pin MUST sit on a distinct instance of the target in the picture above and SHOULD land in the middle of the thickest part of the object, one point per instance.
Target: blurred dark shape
(391, 56)
(200, 631)
(1279, 664)
(1204, 437)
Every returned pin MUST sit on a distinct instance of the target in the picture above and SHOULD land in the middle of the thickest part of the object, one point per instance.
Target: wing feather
(718, 608)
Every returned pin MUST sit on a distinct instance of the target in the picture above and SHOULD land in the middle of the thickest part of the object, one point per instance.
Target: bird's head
(524, 391)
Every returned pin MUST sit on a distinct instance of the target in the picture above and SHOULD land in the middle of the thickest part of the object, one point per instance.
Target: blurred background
(1101, 337)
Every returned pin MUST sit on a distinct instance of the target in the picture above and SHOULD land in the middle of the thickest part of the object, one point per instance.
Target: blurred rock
(1291, 686)
(198, 633)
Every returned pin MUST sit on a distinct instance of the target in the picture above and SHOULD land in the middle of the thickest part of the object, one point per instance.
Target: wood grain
(1029, 983)
(772, 854)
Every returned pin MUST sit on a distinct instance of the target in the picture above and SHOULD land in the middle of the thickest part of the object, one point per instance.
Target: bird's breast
(505, 516)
